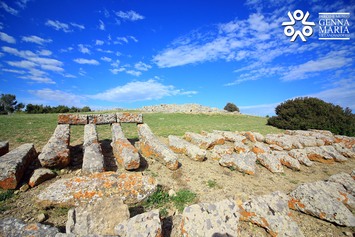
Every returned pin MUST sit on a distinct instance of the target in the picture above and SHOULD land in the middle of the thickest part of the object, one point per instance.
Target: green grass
(38, 128)
(183, 198)
(6, 194)
(211, 183)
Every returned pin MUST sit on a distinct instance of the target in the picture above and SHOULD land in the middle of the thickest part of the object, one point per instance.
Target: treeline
(46, 109)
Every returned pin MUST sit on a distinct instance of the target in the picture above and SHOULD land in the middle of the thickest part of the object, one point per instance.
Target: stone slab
(129, 118)
(11, 227)
(181, 146)
(73, 119)
(102, 118)
(93, 160)
(40, 175)
(244, 162)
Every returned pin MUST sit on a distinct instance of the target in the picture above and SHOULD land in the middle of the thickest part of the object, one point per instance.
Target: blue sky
(128, 54)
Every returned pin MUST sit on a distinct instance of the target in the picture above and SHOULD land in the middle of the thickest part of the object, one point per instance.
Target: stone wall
(183, 108)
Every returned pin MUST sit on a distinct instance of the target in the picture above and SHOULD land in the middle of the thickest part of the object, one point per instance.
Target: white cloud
(14, 71)
(37, 79)
(134, 73)
(8, 9)
(129, 15)
(105, 51)
(83, 49)
(7, 38)
(45, 52)
(106, 59)
(120, 40)
(81, 27)
(57, 25)
(22, 64)
(142, 66)
(133, 38)
(58, 97)
(86, 61)
(139, 91)
(35, 39)
(116, 63)
(22, 3)
(101, 25)
(99, 42)
(117, 70)
(52, 68)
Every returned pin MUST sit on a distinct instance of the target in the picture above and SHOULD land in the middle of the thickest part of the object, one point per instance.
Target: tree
(7, 103)
(86, 109)
(19, 107)
(230, 107)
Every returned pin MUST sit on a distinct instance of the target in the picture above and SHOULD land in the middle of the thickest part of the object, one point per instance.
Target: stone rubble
(183, 108)
(344, 179)
(93, 160)
(244, 162)
(151, 147)
(11, 227)
(270, 162)
(14, 164)
(56, 153)
(301, 156)
(40, 175)
(181, 146)
(230, 136)
(204, 141)
(319, 155)
(219, 150)
(287, 160)
(4, 147)
(125, 153)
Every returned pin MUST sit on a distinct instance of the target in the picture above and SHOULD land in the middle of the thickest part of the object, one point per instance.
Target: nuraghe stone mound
(182, 108)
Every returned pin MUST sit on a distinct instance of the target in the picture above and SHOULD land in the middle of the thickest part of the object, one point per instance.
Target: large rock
(230, 136)
(14, 164)
(272, 213)
(56, 153)
(244, 162)
(204, 141)
(132, 188)
(279, 140)
(332, 152)
(287, 160)
(210, 219)
(326, 136)
(182, 146)
(240, 147)
(11, 227)
(342, 149)
(145, 224)
(301, 156)
(151, 147)
(99, 217)
(73, 119)
(270, 162)
(129, 118)
(219, 150)
(324, 200)
(260, 148)
(348, 142)
(319, 155)
(4, 148)
(102, 118)
(40, 175)
(93, 160)
(249, 136)
(346, 180)
(125, 153)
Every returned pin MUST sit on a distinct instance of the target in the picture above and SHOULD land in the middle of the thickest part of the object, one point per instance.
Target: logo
(334, 26)
(297, 16)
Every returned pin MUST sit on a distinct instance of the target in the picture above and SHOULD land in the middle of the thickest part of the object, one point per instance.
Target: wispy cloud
(129, 15)
(101, 25)
(22, 3)
(106, 59)
(99, 42)
(8, 9)
(125, 39)
(57, 25)
(36, 39)
(83, 49)
(134, 73)
(79, 26)
(58, 97)
(86, 61)
(7, 38)
(142, 66)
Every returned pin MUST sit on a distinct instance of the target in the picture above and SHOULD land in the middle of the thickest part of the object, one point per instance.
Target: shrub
(230, 107)
(312, 113)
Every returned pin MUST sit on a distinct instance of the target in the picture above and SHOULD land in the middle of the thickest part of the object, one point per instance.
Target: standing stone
(219, 150)
(4, 148)
(287, 160)
(56, 153)
(131, 187)
(151, 147)
(244, 162)
(73, 119)
(11, 227)
(145, 224)
(270, 162)
(93, 160)
(210, 219)
(14, 164)
(272, 213)
(125, 153)
(41, 175)
(129, 118)
(301, 156)
(102, 118)
(99, 217)
(182, 146)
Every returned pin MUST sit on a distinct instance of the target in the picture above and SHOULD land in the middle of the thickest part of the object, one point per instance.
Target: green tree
(86, 109)
(19, 107)
(8, 103)
(230, 107)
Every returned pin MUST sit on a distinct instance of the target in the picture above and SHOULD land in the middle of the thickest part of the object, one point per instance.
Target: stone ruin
(99, 199)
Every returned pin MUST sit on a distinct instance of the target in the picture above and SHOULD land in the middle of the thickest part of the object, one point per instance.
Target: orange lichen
(294, 203)
(32, 227)
(244, 215)
(257, 150)
(322, 215)
(9, 183)
(346, 199)
(319, 158)
(250, 136)
(86, 195)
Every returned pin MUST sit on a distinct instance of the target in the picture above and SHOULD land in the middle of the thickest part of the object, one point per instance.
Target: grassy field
(38, 128)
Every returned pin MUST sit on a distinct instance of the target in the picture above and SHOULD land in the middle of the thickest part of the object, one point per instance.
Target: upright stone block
(73, 119)
(4, 148)
(129, 118)
(14, 164)
(93, 160)
(125, 153)
(151, 147)
(102, 118)
(56, 153)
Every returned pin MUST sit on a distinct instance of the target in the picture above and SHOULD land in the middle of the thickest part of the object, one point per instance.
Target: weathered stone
(93, 160)
(24, 188)
(204, 141)
(342, 149)
(99, 217)
(145, 224)
(4, 148)
(346, 180)
(324, 200)
(272, 213)
(259, 137)
(181, 108)
(308, 141)
(151, 147)
(279, 140)
(131, 187)
(129, 118)
(244, 162)
(181, 146)
(219, 150)
(41, 175)
(41, 218)
(73, 119)
(332, 152)
(230, 136)
(56, 153)
(269, 161)
(259, 148)
(102, 118)
(287, 160)
(347, 142)
(326, 136)
(125, 153)
(319, 155)
(211, 219)
(11, 227)
(250, 136)
(301, 156)
(14, 164)
(240, 147)
(275, 147)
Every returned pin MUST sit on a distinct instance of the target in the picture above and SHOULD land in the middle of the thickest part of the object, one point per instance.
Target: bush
(312, 113)
(230, 107)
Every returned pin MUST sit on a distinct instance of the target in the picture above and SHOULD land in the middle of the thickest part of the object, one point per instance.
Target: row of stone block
(82, 119)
